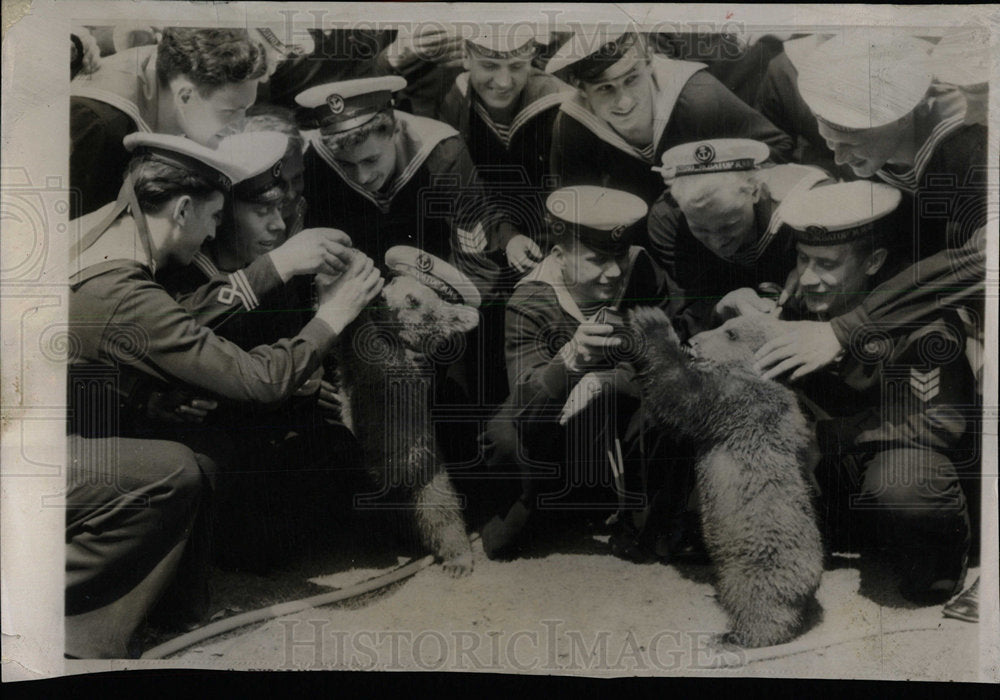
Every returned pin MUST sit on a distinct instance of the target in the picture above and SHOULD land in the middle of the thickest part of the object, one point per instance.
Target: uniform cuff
(555, 378)
(844, 326)
(263, 275)
(320, 334)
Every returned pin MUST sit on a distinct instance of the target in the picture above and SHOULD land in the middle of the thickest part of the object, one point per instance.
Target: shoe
(965, 606)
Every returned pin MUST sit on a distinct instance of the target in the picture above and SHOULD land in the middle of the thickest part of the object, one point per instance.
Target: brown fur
(384, 369)
(757, 516)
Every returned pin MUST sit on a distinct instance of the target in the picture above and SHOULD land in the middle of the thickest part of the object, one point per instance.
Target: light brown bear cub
(757, 516)
(384, 368)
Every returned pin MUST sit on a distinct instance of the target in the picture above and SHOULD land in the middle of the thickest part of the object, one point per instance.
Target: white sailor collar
(669, 78)
(126, 81)
(549, 272)
(534, 100)
(416, 139)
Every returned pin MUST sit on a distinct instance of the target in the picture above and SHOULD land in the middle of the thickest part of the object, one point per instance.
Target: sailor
(504, 109)
(718, 227)
(196, 82)
(390, 178)
(630, 107)
(892, 411)
(572, 391)
(131, 335)
(881, 115)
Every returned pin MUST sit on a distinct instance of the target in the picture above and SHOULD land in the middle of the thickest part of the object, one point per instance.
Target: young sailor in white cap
(196, 82)
(253, 286)
(630, 107)
(717, 228)
(881, 114)
(564, 330)
(135, 338)
(889, 417)
(962, 58)
(779, 100)
(390, 178)
(504, 109)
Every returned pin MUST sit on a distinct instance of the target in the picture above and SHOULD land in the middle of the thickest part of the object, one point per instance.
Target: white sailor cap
(852, 83)
(338, 107)
(444, 278)
(600, 218)
(589, 54)
(962, 57)
(182, 152)
(713, 156)
(257, 156)
(839, 213)
(513, 41)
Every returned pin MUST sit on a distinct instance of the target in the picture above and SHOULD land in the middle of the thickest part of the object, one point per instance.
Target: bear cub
(753, 444)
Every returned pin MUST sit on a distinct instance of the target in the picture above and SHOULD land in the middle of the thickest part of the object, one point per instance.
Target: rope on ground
(248, 618)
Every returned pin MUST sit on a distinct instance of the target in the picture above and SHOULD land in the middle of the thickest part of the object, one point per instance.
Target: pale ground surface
(577, 610)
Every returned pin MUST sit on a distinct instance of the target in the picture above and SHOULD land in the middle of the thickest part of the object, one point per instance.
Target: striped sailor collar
(935, 120)
(415, 141)
(127, 81)
(541, 93)
(669, 78)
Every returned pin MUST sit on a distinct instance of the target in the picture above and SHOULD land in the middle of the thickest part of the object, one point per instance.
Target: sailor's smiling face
(371, 163)
(622, 96)
(497, 81)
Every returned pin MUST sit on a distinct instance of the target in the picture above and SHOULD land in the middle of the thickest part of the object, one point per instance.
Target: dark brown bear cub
(384, 368)
(757, 516)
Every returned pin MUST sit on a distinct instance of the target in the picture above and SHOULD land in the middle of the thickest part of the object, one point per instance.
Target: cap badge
(336, 103)
(617, 232)
(424, 263)
(704, 153)
(816, 231)
(276, 170)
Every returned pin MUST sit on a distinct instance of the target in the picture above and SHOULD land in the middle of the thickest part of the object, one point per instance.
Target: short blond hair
(696, 190)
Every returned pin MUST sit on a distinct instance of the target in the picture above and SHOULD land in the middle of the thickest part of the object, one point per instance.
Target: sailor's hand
(585, 391)
(806, 347)
(176, 406)
(523, 253)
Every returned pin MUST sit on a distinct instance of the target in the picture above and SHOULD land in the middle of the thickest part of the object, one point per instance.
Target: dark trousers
(130, 505)
(907, 500)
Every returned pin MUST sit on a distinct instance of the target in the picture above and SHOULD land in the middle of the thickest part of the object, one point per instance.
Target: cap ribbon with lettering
(839, 213)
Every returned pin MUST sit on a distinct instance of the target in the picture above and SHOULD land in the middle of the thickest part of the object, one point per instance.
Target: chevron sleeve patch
(925, 385)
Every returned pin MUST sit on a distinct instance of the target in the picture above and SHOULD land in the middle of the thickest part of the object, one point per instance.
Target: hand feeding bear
(385, 366)
(757, 516)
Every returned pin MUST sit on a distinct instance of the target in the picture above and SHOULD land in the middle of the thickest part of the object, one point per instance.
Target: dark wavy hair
(157, 182)
(210, 58)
